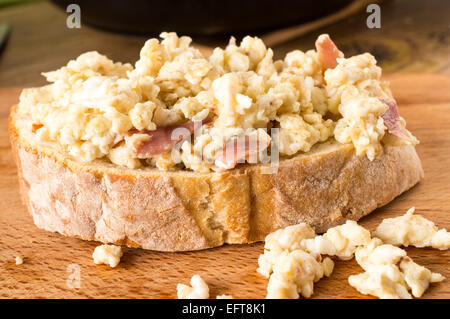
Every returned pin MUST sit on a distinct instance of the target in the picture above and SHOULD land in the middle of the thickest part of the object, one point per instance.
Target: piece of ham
(246, 147)
(391, 118)
(163, 139)
(35, 127)
(327, 52)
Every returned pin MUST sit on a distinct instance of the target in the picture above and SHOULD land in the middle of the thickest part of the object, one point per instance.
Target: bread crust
(183, 210)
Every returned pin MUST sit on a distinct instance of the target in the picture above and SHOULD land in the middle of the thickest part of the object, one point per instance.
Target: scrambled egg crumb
(198, 289)
(418, 277)
(390, 273)
(107, 254)
(19, 260)
(294, 274)
(287, 239)
(411, 229)
(377, 253)
(382, 281)
(291, 270)
(340, 241)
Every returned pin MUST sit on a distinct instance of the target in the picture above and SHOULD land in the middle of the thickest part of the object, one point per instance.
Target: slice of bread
(185, 210)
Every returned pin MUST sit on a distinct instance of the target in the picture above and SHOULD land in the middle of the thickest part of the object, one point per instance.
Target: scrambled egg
(418, 277)
(382, 281)
(354, 87)
(19, 260)
(92, 103)
(291, 270)
(107, 254)
(411, 229)
(390, 273)
(340, 241)
(286, 239)
(377, 253)
(198, 289)
(292, 258)
(293, 262)
(295, 273)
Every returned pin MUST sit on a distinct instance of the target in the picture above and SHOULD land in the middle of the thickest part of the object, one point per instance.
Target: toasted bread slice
(184, 210)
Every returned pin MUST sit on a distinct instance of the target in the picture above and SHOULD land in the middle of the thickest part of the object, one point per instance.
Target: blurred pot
(200, 17)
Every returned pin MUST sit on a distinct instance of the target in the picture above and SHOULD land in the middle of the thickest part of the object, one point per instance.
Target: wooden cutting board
(424, 101)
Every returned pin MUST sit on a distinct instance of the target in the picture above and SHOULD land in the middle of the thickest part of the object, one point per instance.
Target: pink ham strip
(391, 118)
(161, 140)
(36, 127)
(239, 149)
(327, 52)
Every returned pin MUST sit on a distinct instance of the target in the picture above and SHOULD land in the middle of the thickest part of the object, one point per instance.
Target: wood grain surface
(424, 101)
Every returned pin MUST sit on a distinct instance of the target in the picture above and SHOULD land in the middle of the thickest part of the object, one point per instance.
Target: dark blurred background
(414, 34)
